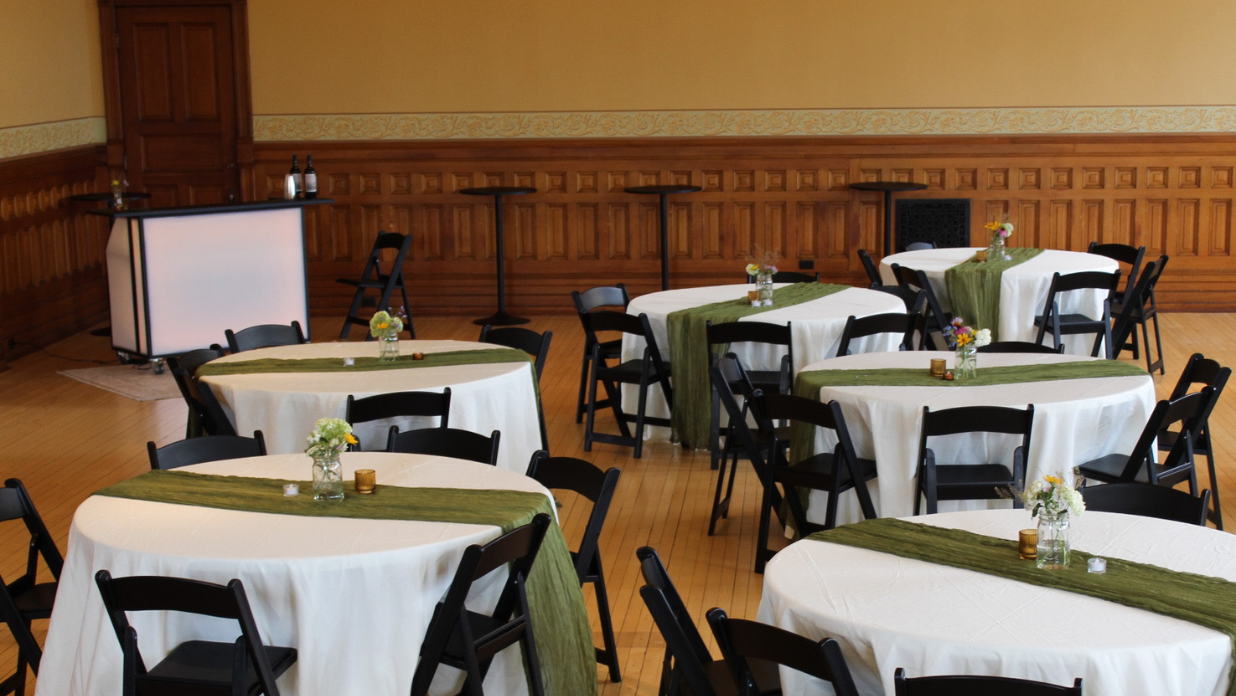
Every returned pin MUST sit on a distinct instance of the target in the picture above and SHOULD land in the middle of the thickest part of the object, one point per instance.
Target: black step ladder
(373, 278)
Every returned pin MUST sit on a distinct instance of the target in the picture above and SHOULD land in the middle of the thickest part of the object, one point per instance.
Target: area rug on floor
(128, 380)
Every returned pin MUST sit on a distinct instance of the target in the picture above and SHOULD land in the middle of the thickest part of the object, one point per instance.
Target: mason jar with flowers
(968, 341)
(385, 327)
(1000, 231)
(329, 438)
(1052, 500)
(762, 272)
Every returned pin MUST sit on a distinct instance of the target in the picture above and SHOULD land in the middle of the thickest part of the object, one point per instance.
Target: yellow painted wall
(50, 68)
(407, 56)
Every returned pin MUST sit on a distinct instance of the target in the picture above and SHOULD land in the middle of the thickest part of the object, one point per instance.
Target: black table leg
(664, 242)
(888, 223)
(501, 317)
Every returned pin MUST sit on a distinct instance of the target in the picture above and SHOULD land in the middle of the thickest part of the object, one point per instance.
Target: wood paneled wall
(52, 280)
(1173, 194)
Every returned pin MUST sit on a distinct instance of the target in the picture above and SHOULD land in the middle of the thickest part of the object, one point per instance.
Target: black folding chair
(978, 686)
(1129, 256)
(913, 298)
(411, 404)
(971, 481)
(833, 472)
(777, 381)
(1020, 347)
(876, 324)
(744, 642)
(245, 666)
(385, 283)
(568, 473)
(1185, 412)
(189, 362)
(1148, 501)
(687, 660)
(790, 277)
(25, 599)
(873, 273)
(527, 340)
(212, 448)
(1139, 310)
(643, 371)
(934, 317)
(585, 302)
(1062, 324)
(446, 442)
(1208, 373)
(204, 406)
(265, 336)
(468, 640)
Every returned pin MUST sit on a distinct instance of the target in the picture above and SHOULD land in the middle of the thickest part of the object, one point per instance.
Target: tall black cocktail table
(664, 191)
(889, 188)
(501, 317)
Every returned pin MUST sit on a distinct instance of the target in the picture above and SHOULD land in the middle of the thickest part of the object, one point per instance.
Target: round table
(284, 406)
(816, 330)
(1075, 420)
(889, 612)
(1023, 288)
(353, 596)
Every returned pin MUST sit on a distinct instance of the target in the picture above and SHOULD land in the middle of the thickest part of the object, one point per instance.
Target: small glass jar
(388, 346)
(764, 281)
(1053, 547)
(327, 478)
(996, 250)
(965, 364)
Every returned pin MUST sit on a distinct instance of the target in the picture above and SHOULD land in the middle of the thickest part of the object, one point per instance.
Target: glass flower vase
(1053, 547)
(388, 346)
(965, 364)
(764, 281)
(995, 250)
(327, 478)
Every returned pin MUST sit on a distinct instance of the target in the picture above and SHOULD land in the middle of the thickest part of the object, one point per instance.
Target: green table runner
(564, 638)
(1199, 599)
(688, 352)
(974, 288)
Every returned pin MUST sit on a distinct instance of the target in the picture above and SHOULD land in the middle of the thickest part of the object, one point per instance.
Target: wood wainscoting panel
(787, 196)
(52, 280)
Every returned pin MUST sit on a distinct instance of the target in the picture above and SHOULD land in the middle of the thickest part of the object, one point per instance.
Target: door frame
(110, 43)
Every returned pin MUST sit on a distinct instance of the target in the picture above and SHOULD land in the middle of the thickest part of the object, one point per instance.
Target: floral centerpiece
(385, 326)
(968, 341)
(1051, 499)
(329, 438)
(762, 271)
(118, 186)
(1000, 231)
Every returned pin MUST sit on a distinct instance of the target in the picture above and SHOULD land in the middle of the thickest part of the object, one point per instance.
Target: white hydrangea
(982, 337)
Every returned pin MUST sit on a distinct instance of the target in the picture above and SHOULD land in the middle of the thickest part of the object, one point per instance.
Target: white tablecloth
(815, 330)
(889, 612)
(353, 596)
(1023, 288)
(1075, 420)
(284, 406)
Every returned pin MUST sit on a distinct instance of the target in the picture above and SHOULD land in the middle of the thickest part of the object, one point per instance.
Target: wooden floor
(65, 439)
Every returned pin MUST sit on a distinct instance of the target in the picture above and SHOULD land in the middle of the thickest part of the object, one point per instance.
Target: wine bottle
(311, 178)
(297, 177)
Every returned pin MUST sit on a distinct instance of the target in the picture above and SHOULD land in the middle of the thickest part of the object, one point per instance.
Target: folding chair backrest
(794, 277)
(202, 400)
(656, 577)
(604, 296)
(211, 448)
(579, 476)
(1201, 370)
(15, 503)
(264, 336)
(1148, 500)
(189, 362)
(1021, 347)
(742, 641)
(913, 298)
(876, 324)
(446, 442)
(400, 405)
(978, 686)
(978, 419)
(1186, 410)
(677, 643)
(918, 280)
(1123, 253)
(873, 274)
(527, 340)
(517, 547)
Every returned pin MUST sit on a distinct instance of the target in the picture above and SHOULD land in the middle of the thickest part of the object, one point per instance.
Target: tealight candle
(948, 375)
(1097, 565)
(291, 489)
(418, 356)
(366, 481)
(349, 361)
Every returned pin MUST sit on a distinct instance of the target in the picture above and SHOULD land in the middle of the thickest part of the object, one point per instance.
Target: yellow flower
(1053, 480)
(384, 325)
(350, 438)
(993, 225)
(963, 339)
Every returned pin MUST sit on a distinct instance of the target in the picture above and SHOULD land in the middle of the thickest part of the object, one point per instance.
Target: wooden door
(178, 103)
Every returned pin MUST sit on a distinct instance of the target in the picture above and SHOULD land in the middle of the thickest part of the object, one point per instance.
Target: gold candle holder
(937, 367)
(1028, 544)
(753, 296)
(980, 255)
(366, 481)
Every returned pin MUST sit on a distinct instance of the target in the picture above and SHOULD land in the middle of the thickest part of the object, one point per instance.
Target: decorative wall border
(629, 124)
(56, 135)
